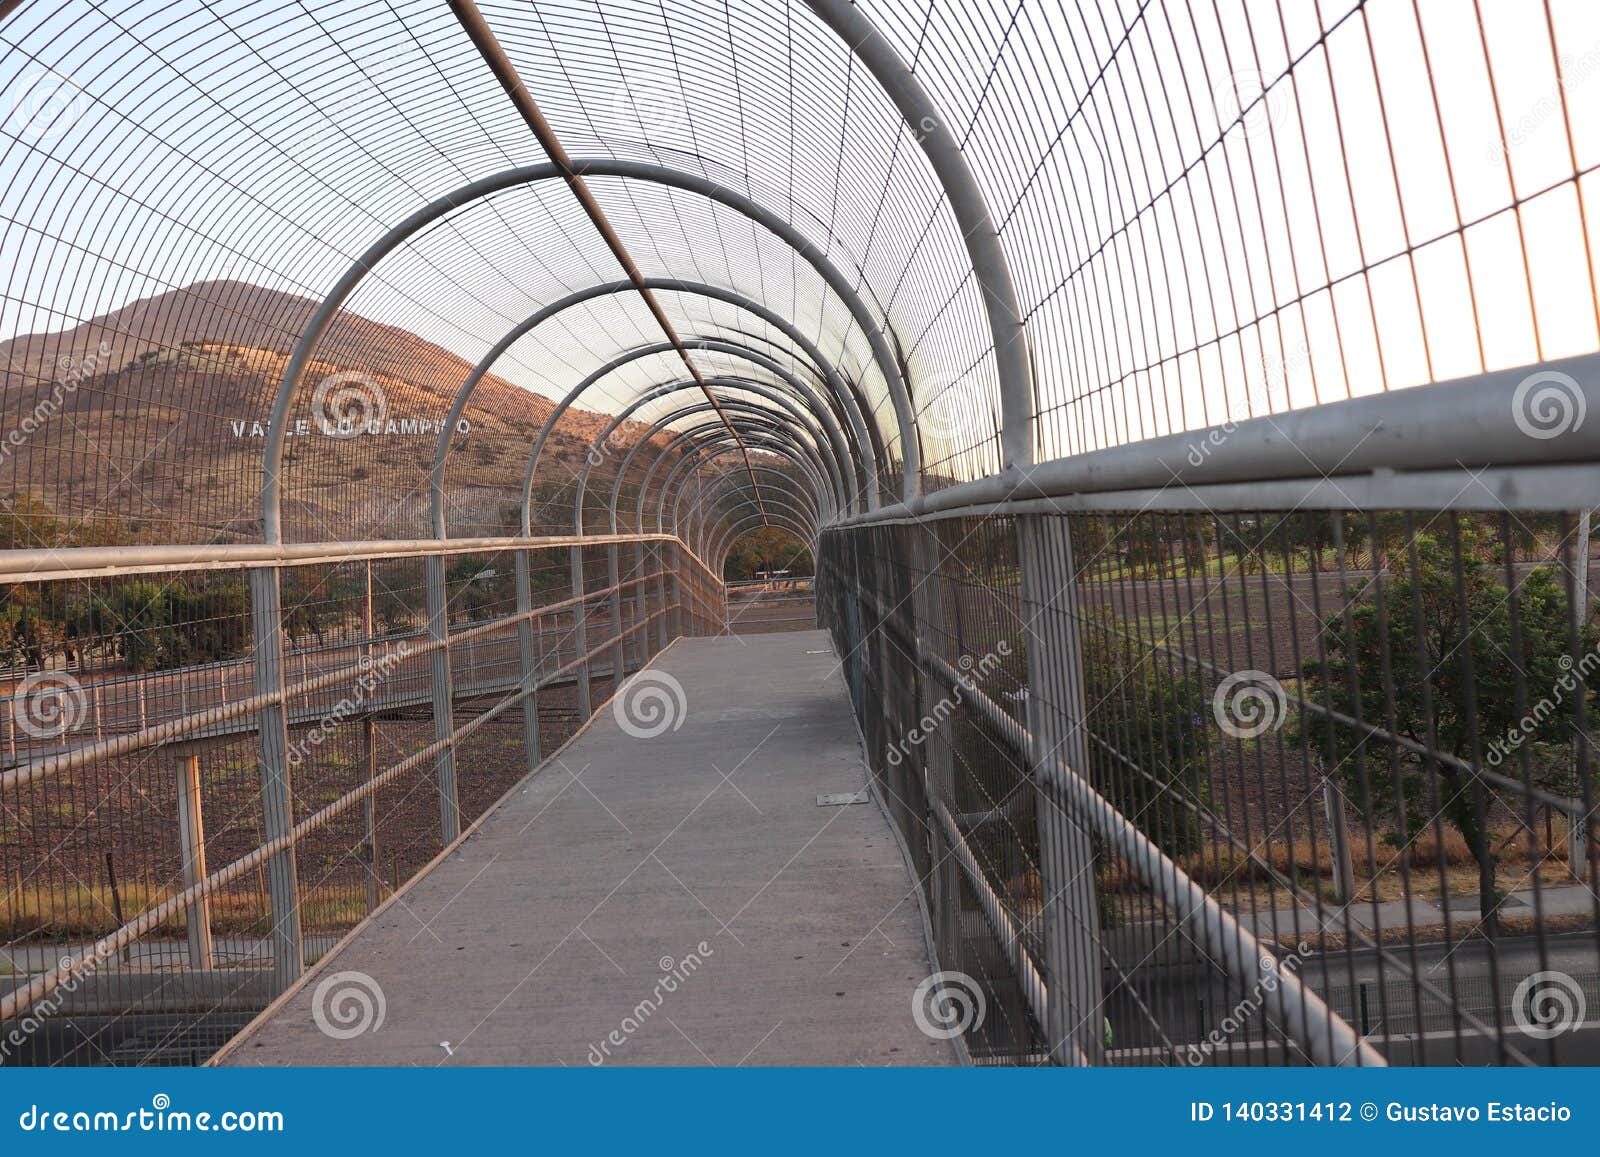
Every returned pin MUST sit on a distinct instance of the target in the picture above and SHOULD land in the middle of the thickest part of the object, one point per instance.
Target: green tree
(1416, 622)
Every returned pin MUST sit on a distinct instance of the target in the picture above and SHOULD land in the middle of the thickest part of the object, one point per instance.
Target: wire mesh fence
(1365, 737)
(144, 809)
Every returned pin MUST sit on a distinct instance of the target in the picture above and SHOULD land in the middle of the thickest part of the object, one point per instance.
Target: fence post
(677, 617)
(641, 603)
(444, 724)
(192, 846)
(1057, 726)
(664, 623)
(614, 580)
(277, 808)
(529, 662)
(580, 631)
(369, 759)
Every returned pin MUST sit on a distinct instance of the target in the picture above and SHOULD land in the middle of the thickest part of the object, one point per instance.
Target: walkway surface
(680, 898)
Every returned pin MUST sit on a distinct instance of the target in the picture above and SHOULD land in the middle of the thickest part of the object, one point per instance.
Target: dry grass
(77, 912)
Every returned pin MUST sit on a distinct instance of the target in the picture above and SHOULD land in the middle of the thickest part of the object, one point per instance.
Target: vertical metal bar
(277, 808)
(580, 615)
(663, 624)
(528, 661)
(444, 726)
(641, 603)
(614, 580)
(1057, 725)
(679, 619)
(369, 758)
(192, 843)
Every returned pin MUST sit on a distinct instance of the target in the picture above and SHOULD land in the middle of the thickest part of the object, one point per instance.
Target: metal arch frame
(317, 325)
(825, 449)
(701, 512)
(621, 474)
(734, 528)
(737, 527)
(639, 516)
(682, 517)
(714, 520)
(763, 419)
(832, 468)
(869, 438)
(695, 457)
(848, 464)
(708, 519)
(773, 434)
(990, 266)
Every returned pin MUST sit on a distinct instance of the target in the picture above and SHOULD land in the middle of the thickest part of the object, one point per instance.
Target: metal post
(1056, 720)
(664, 623)
(369, 757)
(614, 579)
(679, 620)
(641, 603)
(580, 615)
(192, 844)
(277, 808)
(1577, 822)
(1344, 871)
(529, 662)
(444, 726)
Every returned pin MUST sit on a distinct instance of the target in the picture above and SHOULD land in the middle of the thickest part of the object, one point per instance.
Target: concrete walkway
(676, 899)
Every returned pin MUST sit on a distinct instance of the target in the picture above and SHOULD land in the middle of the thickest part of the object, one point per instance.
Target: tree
(1139, 706)
(1448, 667)
(766, 548)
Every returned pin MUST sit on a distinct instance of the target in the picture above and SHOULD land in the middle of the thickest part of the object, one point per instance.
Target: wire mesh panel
(142, 919)
(1365, 737)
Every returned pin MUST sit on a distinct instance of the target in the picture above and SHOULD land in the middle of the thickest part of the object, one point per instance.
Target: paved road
(680, 899)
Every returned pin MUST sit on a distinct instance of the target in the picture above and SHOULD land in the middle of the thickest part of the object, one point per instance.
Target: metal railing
(181, 838)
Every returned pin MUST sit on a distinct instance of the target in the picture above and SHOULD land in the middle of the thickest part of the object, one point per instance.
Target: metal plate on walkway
(841, 798)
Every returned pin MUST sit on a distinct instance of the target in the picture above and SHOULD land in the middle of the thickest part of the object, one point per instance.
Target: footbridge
(798, 532)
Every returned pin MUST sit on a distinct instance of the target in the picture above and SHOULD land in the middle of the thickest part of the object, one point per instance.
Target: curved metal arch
(722, 545)
(868, 436)
(865, 434)
(832, 468)
(849, 465)
(681, 437)
(770, 437)
(802, 503)
(825, 449)
(717, 438)
(622, 471)
(719, 563)
(756, 419)
(990, 267)
(705, 520)
(322, 317)
(749, 522)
